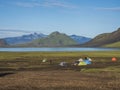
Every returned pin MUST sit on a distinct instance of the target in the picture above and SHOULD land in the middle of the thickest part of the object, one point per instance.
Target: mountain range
(57, 39)
(61, 39)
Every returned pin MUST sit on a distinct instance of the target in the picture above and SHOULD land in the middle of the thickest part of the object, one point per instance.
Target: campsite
(41, 71)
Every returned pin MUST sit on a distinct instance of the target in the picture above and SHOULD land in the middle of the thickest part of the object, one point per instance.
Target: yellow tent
(82, 63)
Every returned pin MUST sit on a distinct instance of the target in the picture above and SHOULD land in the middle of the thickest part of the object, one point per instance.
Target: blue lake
(57, 49)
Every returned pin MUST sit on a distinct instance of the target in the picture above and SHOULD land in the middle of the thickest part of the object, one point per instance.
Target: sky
(81, 17)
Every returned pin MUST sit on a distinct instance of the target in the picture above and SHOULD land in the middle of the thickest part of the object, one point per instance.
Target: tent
(76, 63)
(114, 59)
(82, 63)
(80, 60)
(44, 60)
(87, 62)
(63, 64)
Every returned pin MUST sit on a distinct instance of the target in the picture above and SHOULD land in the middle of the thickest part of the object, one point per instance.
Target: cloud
(10, 30)
(45, 3)
(12, 33)
(110, 9)
(55, 3)
(15, 33)
(27, 4)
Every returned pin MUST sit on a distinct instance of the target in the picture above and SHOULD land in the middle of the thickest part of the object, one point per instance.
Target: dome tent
(81, 63)
(87, 60)
(63, 64)
(114, 59)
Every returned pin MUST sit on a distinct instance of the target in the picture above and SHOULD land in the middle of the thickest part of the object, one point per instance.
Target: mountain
(2, 43)
(23, 39)
(103, 39)
(55, 39)
(80, 39)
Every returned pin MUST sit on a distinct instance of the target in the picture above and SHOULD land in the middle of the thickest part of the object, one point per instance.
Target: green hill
(54, 39)
(103, 39)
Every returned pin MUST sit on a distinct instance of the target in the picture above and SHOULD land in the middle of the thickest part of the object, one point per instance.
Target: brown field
(60, 80)
(25, 71)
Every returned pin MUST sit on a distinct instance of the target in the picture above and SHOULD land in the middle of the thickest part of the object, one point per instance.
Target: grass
(25, 71)
(115, 45)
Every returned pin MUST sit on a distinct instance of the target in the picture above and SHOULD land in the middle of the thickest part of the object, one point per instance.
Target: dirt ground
(59, 80)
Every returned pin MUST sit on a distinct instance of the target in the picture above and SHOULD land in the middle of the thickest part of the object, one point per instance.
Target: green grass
(116, 45)
(33, 60)
(14, 55)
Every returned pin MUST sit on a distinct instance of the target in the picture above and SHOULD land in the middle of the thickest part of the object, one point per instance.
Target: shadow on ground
(5, 74)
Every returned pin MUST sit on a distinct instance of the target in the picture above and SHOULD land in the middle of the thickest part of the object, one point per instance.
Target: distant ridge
(80, 39)
(23, 39)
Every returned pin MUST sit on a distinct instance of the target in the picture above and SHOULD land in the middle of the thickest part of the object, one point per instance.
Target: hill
(103, 39)
(55, 39)
(2, 43)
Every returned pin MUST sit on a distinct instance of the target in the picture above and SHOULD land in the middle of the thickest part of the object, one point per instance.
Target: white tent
(63, 64)
(44, 60)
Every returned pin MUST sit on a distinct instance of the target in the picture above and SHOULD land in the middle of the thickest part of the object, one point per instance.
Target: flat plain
(26, 71)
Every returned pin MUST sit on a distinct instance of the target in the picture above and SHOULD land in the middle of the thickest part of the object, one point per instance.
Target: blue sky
(81, 17)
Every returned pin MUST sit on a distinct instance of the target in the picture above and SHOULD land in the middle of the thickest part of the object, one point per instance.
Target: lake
(57, 49)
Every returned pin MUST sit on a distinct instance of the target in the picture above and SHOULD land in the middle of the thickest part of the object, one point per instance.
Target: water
(57, 49)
